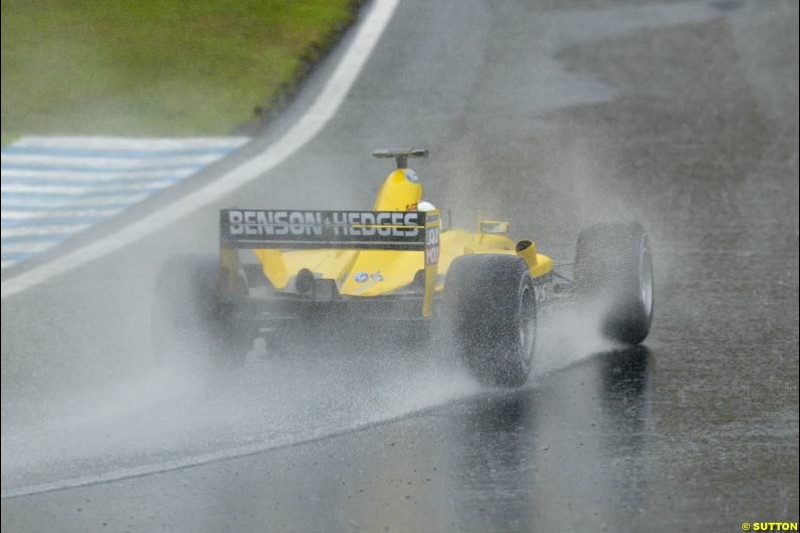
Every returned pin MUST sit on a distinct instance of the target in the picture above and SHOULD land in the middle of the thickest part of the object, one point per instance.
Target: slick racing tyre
(190, 318)
(491, 307)
(614, 266)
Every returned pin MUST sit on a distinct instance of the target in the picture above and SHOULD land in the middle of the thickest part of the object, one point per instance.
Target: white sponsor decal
(432, 246)
(310, 223)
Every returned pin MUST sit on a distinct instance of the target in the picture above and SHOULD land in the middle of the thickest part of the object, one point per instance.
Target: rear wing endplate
(354, 230)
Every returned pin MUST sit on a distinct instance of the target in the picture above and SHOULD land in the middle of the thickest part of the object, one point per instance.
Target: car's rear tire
(191, 319)
(490, 305)
(614, 266)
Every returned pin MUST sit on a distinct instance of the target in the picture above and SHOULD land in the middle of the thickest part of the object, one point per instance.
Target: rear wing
(353, 230)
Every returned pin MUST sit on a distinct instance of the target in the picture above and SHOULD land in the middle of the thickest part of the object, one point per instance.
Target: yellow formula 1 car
(395, 262)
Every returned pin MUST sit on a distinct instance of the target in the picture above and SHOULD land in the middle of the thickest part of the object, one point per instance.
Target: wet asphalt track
(683, 115)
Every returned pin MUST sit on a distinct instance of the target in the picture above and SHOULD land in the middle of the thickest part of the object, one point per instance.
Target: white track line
(98, 162)
(15, 175)
(73, 202)
(28, 247)
(11, 214)
(123, 143)
(52, 232)
(306, 128)
(80, 191)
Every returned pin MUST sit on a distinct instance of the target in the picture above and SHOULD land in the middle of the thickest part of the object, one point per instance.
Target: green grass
(154, 67)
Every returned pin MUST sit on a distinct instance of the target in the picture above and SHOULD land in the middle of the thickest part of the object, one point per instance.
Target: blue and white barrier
(55, 187)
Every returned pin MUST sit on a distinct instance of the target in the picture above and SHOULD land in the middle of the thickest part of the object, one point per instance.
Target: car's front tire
(614, 266)
(490, 305)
